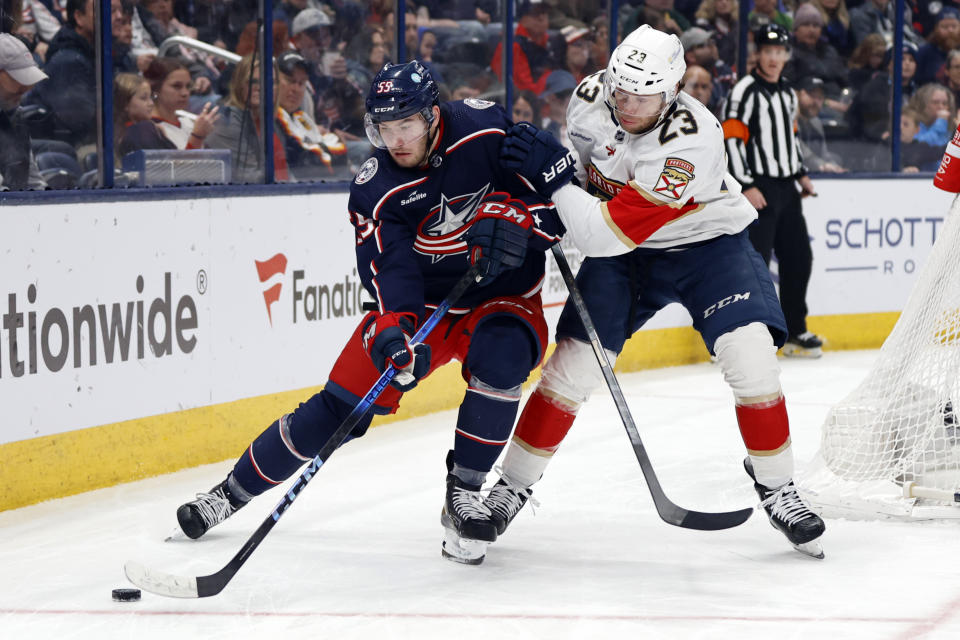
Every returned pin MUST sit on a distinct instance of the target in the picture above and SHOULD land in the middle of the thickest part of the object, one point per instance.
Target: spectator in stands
(311, 36)
(600, 48)
(812, 139)
(411, 30)
(672, 20)
(877, 16)
(286, 10)
(908, 69)
(71, 93)
(720, 17)
(915, 155)
(573, 48)
(814, 57)
(133, 127)
(556, 98)
(170, 82)
(424, 53)
(18, 74)
(239, 128)
(700, 49)
(867, 60)
(526, 107)
(870, 114)
(366, 53)
(836, 21)
(219, 23)
(532, 61)
(311, 152)
(40, 23)
(202, 66)
(121, 23)
(932, 56)
(247, 41)
(342, 109)
(766, 12)
(698, 83)
(952, 73)
(937, 112)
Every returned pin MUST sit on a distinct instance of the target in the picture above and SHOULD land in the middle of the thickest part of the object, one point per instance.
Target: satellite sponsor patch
(674, 178)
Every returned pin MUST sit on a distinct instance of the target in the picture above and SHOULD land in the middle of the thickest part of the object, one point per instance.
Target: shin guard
(765, 429)
(543, 425)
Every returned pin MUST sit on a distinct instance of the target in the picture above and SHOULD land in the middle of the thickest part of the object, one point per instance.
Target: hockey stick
(166, 584)
(669, 512)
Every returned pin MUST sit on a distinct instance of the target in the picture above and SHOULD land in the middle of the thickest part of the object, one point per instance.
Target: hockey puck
(126, 595)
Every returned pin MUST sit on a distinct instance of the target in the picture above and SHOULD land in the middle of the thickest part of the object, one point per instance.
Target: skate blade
(176, 535)
(812, 549)
(799, 352)
(462, 550)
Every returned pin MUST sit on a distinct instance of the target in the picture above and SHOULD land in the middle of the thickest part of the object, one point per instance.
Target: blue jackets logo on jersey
(440, 233)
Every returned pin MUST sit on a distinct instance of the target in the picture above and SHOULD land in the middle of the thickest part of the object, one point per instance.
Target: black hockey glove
(498, 237)
(387, 339)
(538, 157)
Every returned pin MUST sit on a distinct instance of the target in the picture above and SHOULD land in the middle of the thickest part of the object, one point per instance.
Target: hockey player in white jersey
(663, 222)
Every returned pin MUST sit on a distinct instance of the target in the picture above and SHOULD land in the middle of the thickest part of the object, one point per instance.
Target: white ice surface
(358, 555)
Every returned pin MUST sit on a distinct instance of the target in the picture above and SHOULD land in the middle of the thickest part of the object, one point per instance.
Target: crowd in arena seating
(327, 51)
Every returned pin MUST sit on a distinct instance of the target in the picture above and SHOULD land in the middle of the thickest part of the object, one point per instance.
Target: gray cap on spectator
(694, 37)
(807, 14)
(558, 81)
(16, 60)
(310, 19)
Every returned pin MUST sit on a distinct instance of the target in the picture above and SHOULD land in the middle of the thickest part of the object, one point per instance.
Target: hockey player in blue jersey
(432, 200)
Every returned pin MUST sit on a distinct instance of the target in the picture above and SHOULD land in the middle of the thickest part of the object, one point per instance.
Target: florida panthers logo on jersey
(441, 231)
(674, 178)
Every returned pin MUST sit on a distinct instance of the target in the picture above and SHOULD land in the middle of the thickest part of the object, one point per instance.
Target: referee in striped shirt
(763, 154)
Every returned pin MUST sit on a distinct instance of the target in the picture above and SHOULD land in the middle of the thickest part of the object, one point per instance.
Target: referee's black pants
(781, 228)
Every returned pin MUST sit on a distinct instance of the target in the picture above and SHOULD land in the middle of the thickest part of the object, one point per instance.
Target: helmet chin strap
(430, 143)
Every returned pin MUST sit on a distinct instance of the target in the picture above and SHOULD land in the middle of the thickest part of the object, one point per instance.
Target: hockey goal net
(891, 448)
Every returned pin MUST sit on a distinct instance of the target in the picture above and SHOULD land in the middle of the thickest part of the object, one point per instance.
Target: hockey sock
(502, 352)
(543, 425)
(765, 429)
(483, 428)
(291, 441)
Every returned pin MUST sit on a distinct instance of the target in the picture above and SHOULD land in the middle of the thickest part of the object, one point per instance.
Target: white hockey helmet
(647, 63)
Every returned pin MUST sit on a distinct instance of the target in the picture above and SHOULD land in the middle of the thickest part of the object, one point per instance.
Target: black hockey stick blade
(173, 586)
(669, 512)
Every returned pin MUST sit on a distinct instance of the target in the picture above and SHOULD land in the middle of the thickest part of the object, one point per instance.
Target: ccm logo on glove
(508, 212)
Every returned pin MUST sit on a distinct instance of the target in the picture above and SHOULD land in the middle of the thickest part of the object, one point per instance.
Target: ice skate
(791, 515)
(805, 345)
(505, 501)
(208, 510)
(468, 527)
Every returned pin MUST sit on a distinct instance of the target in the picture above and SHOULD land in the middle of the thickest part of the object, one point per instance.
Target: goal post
(891, 448)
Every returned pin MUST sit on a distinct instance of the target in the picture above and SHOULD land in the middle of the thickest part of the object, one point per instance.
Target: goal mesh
(899, 425)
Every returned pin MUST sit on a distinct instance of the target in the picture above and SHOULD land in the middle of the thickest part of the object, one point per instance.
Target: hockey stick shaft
(668, 511)
(204, 586)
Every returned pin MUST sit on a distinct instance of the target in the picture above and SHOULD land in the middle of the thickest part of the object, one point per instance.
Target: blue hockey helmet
(399, 91)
